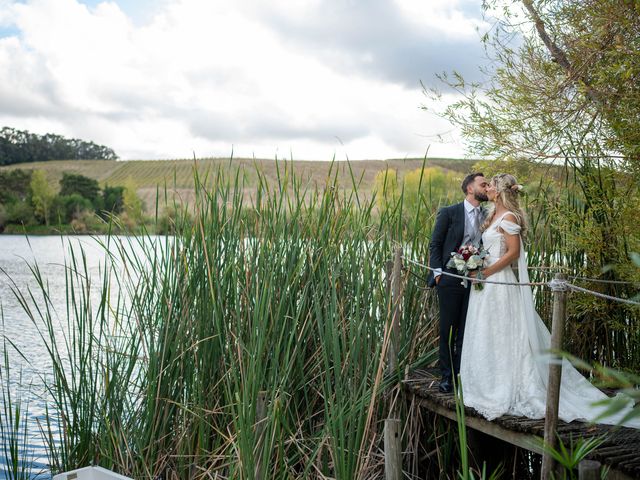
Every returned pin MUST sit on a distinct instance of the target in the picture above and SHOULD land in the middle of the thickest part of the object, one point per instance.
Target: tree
(133, 206)
(435, 184)
(568, 89)
(84, 186)
(599, 57)
(20, 213)
(113, 199)
(564, 88)
(19, 146)
(14, 185)
(42, 195)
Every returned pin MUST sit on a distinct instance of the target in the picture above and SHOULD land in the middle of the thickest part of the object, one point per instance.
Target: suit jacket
(446, 237)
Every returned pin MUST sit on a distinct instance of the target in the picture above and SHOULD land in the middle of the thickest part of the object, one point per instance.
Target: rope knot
(558, 285)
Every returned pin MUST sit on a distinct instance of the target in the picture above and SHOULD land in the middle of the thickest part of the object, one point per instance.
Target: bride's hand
(487, 272)
(474, 274)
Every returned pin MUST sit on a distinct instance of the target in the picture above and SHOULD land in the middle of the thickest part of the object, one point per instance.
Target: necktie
(476, 217)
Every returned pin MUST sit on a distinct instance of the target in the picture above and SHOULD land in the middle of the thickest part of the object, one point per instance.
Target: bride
(502, 368)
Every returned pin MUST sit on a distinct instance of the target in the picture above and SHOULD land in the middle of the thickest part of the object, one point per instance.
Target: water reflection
(22, 259)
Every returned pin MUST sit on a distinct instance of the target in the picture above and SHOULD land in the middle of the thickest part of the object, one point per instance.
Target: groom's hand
(437, 279)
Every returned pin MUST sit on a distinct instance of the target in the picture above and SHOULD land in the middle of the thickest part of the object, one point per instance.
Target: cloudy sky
(304, 78)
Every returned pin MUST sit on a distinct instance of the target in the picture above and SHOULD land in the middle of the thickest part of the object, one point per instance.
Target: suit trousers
(454, 300)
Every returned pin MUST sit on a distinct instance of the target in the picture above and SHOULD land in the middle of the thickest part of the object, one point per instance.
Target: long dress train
(504, 369)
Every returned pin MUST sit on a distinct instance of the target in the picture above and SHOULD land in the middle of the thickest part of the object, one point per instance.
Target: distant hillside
(178, 175)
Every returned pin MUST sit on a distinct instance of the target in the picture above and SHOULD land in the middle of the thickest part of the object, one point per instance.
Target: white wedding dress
(504, 369)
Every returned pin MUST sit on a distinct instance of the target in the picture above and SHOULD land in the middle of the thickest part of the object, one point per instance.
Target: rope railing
(553, 284)
(560, 269)
(601, 280)
(463, 277)
(583, 279)
(560, 285)
(601, 295)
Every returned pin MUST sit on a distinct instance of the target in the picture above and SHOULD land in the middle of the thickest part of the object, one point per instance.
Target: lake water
(19, 332)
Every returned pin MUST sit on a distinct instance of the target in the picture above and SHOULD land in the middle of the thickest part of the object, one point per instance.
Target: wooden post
(392, 440)
(555, 372)
(261, 415)
(589, 470)
(392, 449)
(396, 305)
(388, 275)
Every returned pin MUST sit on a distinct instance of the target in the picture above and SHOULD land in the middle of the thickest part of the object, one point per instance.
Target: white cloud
(448, 17)
(211, 76)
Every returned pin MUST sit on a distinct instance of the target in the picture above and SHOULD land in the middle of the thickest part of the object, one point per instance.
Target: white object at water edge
(90, 473)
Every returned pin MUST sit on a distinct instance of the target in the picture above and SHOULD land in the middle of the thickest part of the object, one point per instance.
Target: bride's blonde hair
(508, 189)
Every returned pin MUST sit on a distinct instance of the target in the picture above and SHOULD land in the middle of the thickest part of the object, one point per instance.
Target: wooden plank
(623, 456)
(519, 439)
(522, 440)
(617, 452)
(589, 470)
(618, 475)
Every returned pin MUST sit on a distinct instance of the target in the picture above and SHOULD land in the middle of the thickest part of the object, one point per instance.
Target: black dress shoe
(445, 386)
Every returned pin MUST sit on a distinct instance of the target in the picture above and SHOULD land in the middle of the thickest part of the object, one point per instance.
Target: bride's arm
(512, 252)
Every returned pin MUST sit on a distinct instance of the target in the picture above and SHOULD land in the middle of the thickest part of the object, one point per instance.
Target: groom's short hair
(469, 179)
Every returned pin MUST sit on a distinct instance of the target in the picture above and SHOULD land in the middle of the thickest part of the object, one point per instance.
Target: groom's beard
(481, 197)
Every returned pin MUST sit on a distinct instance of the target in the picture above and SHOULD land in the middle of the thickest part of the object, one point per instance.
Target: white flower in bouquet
(460, 264)
(474, 262)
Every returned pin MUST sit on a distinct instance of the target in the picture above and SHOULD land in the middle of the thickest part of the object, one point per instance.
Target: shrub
(72, 183)
(66, 208)
(20, 213)
(85, 221)
(113, 199)
(3, 217)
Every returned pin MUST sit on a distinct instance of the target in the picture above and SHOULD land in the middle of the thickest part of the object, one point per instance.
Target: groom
(456, 225)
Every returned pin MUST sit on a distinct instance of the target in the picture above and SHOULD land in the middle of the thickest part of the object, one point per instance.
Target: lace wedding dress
(504, 370)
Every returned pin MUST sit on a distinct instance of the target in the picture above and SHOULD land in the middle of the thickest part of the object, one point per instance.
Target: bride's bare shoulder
(510, 217)
(509, 224)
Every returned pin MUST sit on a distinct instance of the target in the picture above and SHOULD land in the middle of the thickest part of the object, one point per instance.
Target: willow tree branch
(558, 54)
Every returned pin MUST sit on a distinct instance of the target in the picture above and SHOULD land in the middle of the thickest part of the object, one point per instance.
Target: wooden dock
(620, 451)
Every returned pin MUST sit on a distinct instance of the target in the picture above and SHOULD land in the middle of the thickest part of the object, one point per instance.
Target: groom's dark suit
(447, 236)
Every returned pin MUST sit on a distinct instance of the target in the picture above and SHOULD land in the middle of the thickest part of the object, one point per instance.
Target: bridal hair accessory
(507, 182)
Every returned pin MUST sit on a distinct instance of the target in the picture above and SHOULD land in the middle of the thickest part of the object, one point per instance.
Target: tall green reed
(280, 299)
(14, 431)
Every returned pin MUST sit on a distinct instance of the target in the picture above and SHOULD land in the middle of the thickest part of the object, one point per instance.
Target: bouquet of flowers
(466, 259)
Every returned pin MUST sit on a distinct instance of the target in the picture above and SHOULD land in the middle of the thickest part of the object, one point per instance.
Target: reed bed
(251, 342)
(247, 345)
